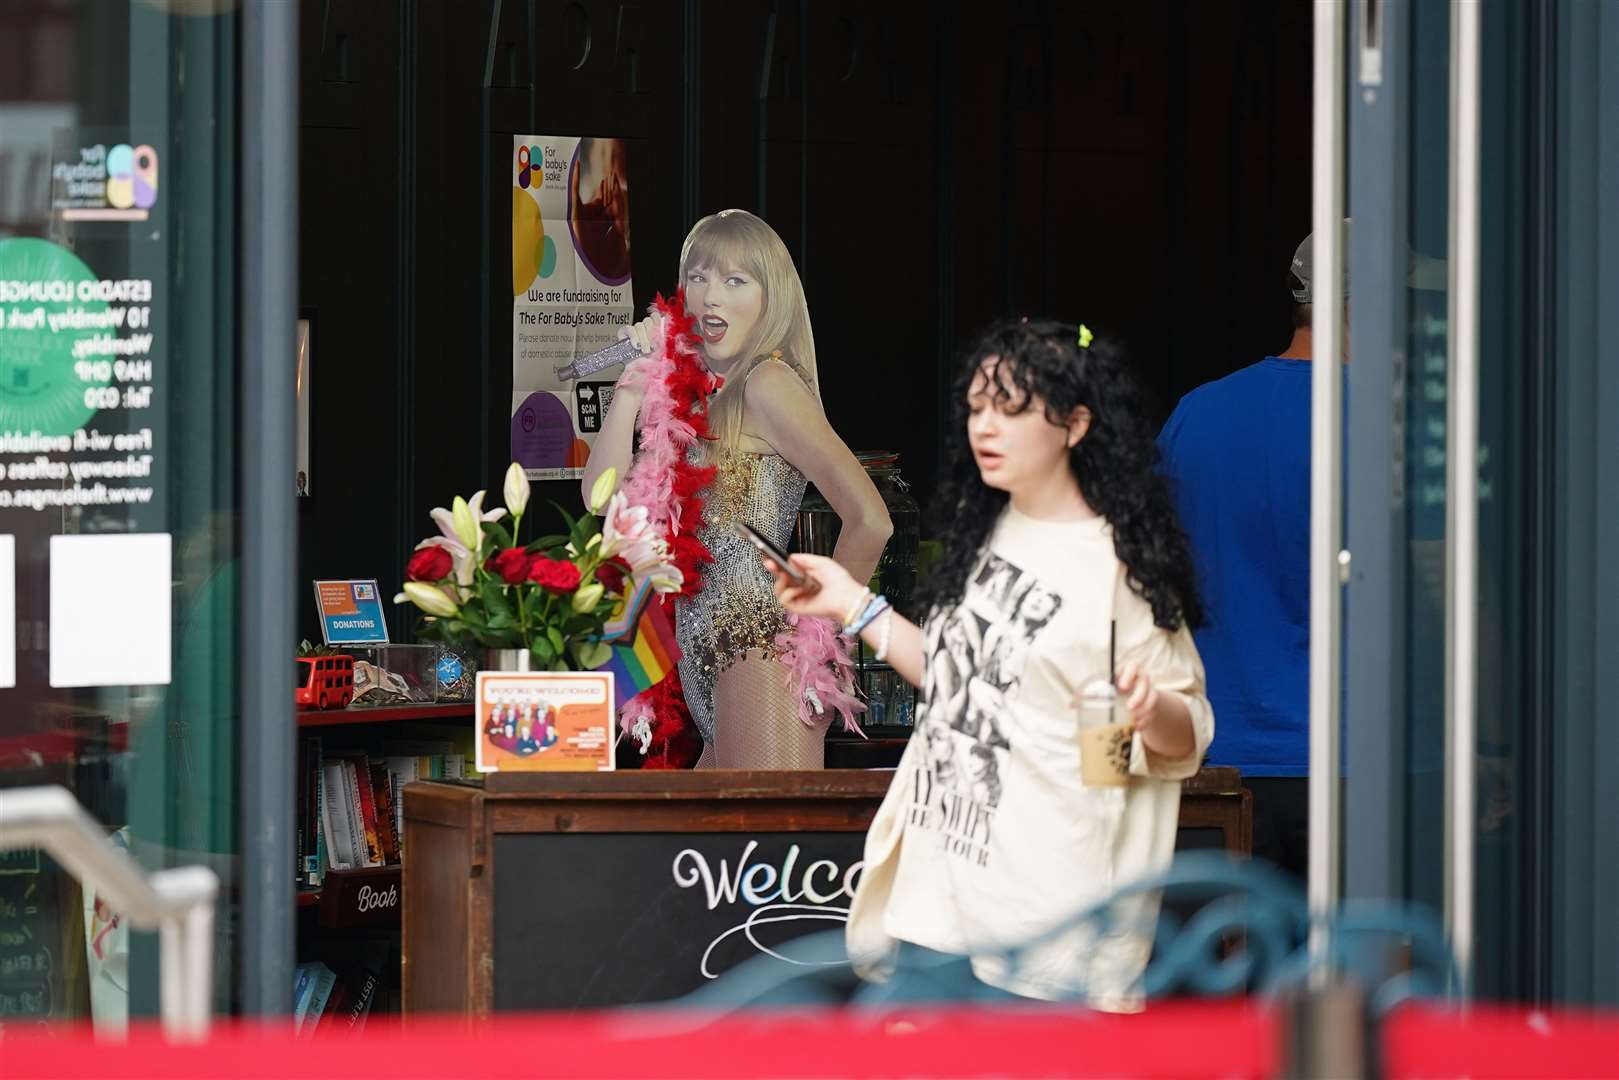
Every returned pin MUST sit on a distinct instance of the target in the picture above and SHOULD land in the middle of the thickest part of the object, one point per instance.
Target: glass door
(1419, 476)
(1480, 479)
(1396, 497)
(121, 517)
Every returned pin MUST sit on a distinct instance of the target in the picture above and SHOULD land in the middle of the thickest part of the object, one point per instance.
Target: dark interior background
(1142, 167)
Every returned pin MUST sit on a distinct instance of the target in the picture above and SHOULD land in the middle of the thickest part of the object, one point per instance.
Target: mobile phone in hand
(777, 556)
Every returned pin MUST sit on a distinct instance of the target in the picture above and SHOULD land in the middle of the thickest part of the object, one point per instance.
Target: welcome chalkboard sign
(597, 920)
(556, 891)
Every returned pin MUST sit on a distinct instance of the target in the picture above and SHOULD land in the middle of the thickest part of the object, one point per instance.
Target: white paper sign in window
(8, 611)
(110, 609)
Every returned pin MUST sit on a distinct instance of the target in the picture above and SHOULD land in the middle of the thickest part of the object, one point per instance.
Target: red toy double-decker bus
(324, 682)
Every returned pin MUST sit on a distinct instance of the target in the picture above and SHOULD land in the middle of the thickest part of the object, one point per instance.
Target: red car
(324, 682)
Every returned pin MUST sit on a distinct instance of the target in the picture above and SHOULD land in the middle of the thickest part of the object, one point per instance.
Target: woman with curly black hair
(1061, 547)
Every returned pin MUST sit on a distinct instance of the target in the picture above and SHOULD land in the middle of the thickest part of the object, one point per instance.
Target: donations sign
(351, 613)
(571, 291)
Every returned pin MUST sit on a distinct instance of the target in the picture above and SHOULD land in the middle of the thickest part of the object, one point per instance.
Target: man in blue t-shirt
(1237, 454)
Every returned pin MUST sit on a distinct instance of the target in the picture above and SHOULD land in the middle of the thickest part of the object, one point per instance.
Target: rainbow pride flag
(645, 661)
(626, 621)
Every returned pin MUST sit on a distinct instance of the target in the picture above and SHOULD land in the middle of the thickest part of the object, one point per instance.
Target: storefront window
(1547, 463)
(1546, 467)
(1579, 861)
(1427, 339)
(1509, 398)
(118, 486)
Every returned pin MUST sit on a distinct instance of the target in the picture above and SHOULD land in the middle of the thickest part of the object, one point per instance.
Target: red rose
(612, 574)
(429, 564)
(511, 564)
(554, 575)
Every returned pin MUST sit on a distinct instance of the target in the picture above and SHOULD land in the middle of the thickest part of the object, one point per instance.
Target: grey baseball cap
(1304, 265)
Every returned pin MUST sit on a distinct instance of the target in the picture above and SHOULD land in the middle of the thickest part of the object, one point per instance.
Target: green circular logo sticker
(44, 387)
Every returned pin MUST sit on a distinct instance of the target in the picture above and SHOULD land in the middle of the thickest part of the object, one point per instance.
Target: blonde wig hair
(736, 239)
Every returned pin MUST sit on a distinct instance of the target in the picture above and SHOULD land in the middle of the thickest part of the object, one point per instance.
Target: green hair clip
(1084, 336)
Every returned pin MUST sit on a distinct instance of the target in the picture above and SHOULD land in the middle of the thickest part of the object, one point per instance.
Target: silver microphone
(619, 352)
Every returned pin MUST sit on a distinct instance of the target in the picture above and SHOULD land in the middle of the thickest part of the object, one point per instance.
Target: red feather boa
(676, 743)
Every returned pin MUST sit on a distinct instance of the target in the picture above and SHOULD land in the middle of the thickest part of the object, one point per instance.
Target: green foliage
(495, 615)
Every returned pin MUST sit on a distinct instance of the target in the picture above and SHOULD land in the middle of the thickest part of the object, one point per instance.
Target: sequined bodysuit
(736, 611)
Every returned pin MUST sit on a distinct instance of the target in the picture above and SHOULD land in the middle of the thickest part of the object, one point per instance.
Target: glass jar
(890, 700)
(818, 527)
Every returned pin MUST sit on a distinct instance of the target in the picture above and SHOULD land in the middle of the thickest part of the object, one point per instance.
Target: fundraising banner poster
(571, 292)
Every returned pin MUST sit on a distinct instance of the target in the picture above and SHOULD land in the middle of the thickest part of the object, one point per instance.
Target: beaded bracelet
(854, 611)
(871, 606)
(877, 606)
(883, 638)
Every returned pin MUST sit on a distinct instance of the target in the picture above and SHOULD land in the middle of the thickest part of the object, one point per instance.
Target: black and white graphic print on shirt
(976, 656)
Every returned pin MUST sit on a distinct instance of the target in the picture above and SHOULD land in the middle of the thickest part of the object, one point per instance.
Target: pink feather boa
(820, 670)
(667, 430)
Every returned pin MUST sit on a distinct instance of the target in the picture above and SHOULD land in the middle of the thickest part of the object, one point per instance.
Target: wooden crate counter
(616, 888)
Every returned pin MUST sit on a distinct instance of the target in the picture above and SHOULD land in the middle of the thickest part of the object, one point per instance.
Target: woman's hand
(835, 592)
(1140, 696)
(1164, 721)
(644, 333)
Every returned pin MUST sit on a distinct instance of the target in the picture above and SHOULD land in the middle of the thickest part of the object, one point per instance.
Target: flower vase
(510, 660)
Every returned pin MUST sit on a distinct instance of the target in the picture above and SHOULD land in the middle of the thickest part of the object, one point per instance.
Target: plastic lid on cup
(1097, 700)
(1098, 690)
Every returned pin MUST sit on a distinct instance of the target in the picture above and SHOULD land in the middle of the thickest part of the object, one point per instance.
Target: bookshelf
(381, 714)
(348, 914)
(341, 902)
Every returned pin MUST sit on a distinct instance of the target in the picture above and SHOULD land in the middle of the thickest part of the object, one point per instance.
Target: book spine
(404, 771)
(323, 980)
(326, 824)
(368, 812)
(335, 1017)
(396, 788)
(311, 822)
(302, 835)
(300, 872)
(300, 997)
(316, 810)
(360, 1006)
(382, 794)
(335, 815)
(359, 853)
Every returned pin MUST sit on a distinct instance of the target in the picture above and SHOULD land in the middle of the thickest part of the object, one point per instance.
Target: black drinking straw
(1112, 664)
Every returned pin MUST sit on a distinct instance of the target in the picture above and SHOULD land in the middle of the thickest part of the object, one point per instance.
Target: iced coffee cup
(1105, 733)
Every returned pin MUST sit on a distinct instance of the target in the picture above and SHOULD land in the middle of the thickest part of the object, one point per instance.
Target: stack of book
(350, 810)
(323, 1001)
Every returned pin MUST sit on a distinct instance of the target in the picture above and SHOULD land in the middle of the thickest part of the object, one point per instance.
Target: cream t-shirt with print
(987, 836)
